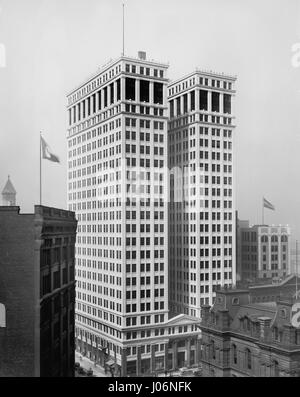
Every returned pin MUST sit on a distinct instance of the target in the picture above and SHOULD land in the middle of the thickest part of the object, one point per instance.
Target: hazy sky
(52, 45)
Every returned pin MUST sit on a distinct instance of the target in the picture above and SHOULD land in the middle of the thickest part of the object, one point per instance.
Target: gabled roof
(182, 319)
(9, 188)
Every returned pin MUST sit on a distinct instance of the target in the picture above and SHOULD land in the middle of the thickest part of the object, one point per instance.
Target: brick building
(37, 292)
(242, 337)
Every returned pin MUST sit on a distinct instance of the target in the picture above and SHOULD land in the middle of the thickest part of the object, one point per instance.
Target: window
(130, 89)
(248, 359)
(234, 354)
(275, 368)
(215, 102)
(203, 100)
(2, 316)
(144, 91)
(158, 93)
(227, 103)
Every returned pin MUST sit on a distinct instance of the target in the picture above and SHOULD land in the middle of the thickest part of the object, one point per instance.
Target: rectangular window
(144, 91)
(158, 93)
(227, 103)
(215, 104)
(203, 100)
(130, 89)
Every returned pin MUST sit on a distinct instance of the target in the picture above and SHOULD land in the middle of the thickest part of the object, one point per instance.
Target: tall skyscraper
(201, 134)
(117, 140)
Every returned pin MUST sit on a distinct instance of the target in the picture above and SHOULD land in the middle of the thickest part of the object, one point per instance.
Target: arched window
(275, 333)
(275, 368)
(274, 239)
(264, 239)
(2, 316)
(284, 239)
(248, 359)
(234, 354)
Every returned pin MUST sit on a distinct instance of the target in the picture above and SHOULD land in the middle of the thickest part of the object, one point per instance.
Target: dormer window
(283, 313)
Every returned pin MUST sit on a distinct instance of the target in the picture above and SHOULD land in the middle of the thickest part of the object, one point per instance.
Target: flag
(47, 152)
(267, 204)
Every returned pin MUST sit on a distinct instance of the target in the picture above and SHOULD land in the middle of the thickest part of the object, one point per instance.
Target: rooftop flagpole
(296, 268)
(40, 168)
(123, 52)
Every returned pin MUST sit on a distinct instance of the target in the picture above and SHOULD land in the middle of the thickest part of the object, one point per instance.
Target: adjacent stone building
(37, 292)
(242, 337)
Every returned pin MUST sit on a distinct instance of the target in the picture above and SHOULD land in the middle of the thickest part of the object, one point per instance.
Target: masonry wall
(17, 293)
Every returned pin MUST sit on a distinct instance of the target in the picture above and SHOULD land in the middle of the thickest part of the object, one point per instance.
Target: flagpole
(40, 168)
(296, 268)
(123, 52)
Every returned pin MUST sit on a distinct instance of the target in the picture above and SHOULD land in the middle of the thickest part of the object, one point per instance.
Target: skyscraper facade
(201, 136)
(117, 142)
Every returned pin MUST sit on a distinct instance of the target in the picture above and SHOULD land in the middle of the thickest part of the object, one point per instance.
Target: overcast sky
(53, 45)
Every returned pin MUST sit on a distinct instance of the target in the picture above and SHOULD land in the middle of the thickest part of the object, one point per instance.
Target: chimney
(205, 313)
(142, 55)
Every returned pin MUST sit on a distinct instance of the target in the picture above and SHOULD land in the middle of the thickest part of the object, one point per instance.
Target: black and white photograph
(149, 191)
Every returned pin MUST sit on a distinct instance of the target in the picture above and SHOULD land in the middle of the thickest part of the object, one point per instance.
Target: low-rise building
(37, 292)
(244, 338)
(264, 252)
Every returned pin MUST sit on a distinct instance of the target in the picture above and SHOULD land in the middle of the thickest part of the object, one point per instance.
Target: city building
(242, 337)
(118, 187)
(265, 252)
(201, 135)
(37, 292)
(240, 224)
(9, 194)
(295, 268)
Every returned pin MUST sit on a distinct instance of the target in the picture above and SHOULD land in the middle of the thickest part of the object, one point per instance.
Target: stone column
(152, 359)
(166, 356)
(97, 101)
(209, 101)
(115, 92)
(151, 93)
(188, 352)
(137, 90)
(197, 99)
(108, 95)
(181, 105)
(174, 356)
(197, 351)
(123, 362)
(221, 102)
(92, 104)
(189, 102)
(138, 361)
